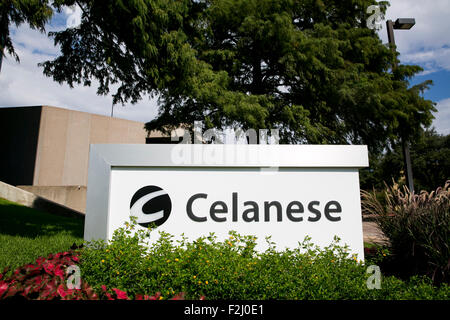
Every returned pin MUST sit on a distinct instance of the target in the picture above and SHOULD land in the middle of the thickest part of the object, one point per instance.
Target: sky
(427, 44)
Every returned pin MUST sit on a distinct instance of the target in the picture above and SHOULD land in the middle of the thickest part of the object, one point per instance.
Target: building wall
(62, 155)
(19, 130)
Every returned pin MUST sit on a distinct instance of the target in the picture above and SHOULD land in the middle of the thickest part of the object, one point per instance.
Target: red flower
(59, 272)
(106, 293)
(120, 294)
(145, 297)
(63, 292)
(48, 267)
(38, 280)
(29, 267)
(26, 291)
(40, 260)
(3, 287)
(179, 296)
(11, 292)
(155, 297)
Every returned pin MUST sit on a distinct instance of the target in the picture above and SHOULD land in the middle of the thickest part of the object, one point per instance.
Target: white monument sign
(283, 191)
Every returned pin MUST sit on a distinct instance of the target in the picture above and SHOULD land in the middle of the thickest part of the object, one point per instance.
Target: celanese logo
(151, 205)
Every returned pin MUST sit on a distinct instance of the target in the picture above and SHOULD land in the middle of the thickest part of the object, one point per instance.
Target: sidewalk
(372, 233)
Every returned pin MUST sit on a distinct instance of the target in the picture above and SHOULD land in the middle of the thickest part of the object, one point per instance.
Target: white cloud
(431, 60)
(442, 121)
(23, 84)
(27, 38)
(427, 43)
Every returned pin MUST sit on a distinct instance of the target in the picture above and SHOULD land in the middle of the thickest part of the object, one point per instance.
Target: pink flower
(120, 294)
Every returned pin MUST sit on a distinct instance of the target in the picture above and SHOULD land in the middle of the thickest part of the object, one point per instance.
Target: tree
(310, 68)
(34, 12)
(430, 154)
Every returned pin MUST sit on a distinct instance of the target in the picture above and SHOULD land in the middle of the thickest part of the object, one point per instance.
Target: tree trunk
(3, 33)
(256, 87)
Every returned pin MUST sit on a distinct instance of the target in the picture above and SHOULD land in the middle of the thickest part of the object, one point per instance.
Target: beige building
(45, 150)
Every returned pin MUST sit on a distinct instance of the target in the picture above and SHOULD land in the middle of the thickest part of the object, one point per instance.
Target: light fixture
(404, 23)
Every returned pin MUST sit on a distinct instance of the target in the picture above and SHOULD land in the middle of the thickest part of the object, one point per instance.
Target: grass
(26, 234)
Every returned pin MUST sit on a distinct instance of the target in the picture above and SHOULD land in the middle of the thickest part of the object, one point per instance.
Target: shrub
(376, 253)
(418, 229)
(233, 269)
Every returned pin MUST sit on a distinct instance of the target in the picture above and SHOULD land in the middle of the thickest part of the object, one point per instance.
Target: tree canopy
(310, 68)
(431, 164)
(34, 12)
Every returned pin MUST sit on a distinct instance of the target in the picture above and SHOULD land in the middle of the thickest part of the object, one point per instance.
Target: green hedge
(232, 269)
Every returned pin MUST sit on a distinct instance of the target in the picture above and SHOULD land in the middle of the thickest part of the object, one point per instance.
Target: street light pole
(403, 24)
(390, 31)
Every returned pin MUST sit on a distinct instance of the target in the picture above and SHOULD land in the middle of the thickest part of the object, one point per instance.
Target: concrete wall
(73, 197)
(63, 144)
(31, 200)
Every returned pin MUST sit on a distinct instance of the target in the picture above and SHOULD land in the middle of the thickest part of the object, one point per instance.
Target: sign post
(286, 192)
